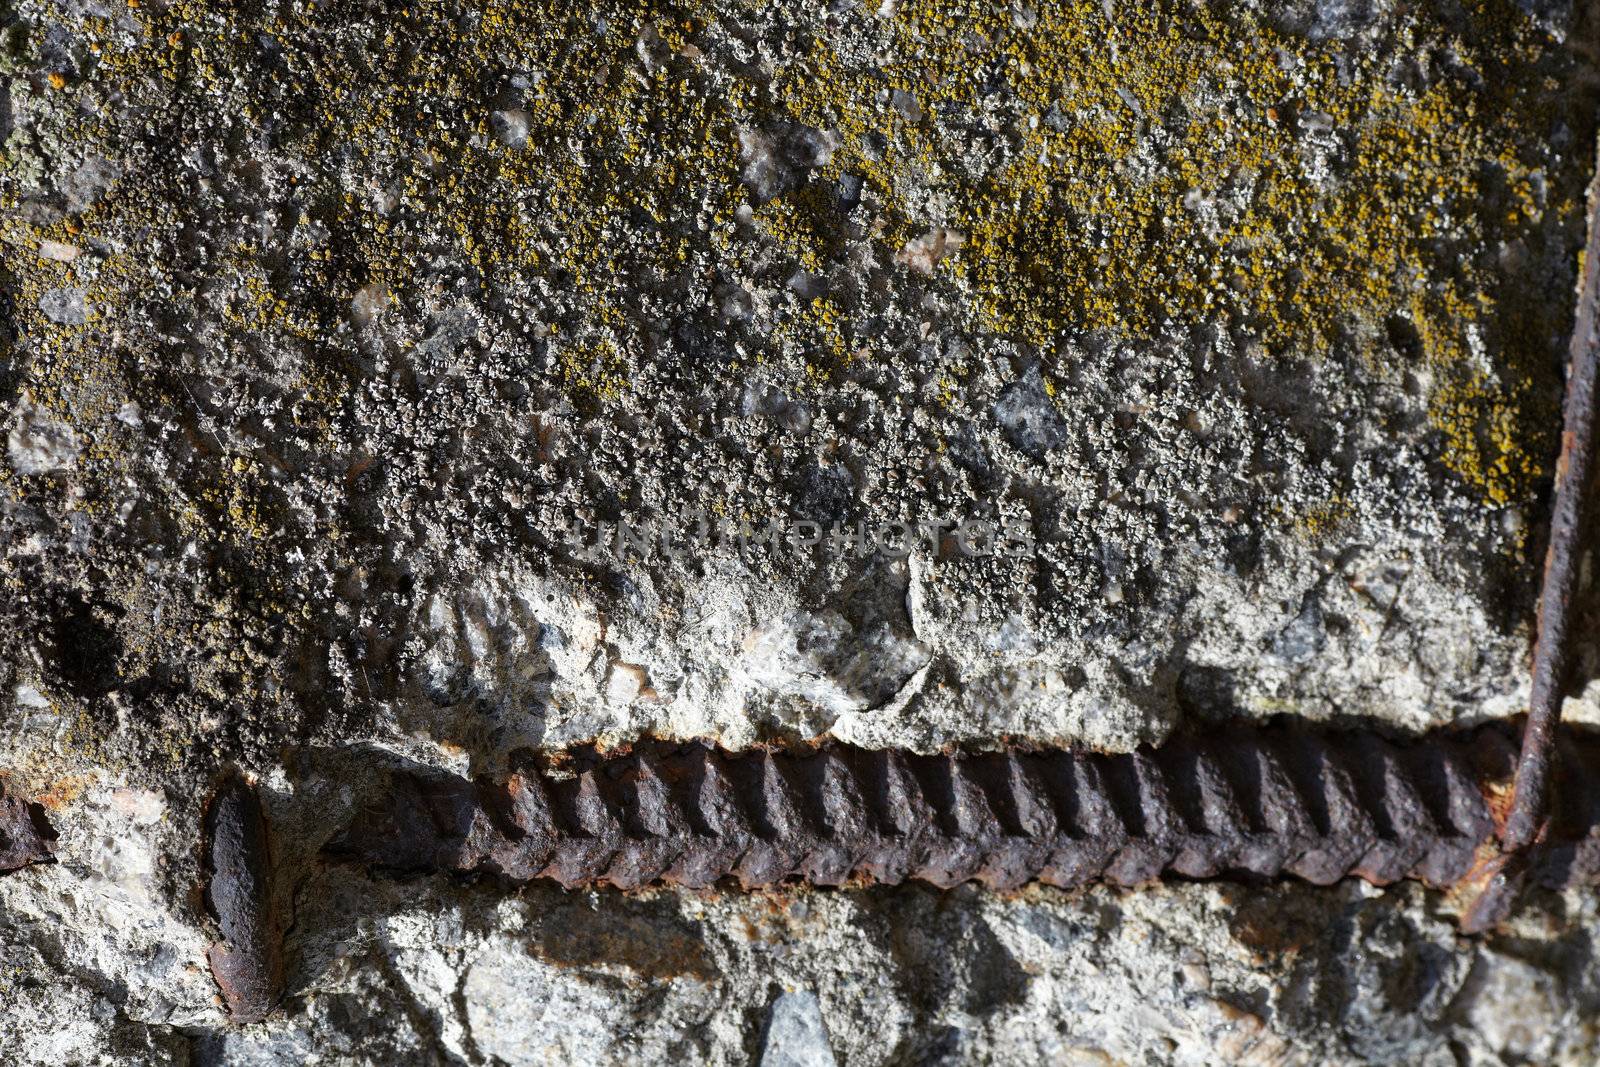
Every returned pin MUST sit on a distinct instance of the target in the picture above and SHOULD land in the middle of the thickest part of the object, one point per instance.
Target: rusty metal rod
(1574, 474)
(247, 957)
(25, 834)
(1241, 801)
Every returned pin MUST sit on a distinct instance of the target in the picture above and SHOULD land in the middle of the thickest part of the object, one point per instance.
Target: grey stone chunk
(779, 158)
(89, 182)
(39, 444)
(1028, 416)
(1303, 638)
(796, 1034)
(67, 306)
(1342, 18)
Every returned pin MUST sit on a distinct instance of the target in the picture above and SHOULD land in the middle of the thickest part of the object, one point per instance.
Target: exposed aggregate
(328, 322)
(331, 332)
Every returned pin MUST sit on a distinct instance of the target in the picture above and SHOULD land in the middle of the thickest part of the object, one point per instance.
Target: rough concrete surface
(338, 339)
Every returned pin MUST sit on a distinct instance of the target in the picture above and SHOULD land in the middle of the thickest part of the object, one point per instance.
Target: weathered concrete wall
(334, 337)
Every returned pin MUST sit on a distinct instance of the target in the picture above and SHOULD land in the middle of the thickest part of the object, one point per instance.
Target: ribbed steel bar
(1574, 476)
(1241, 801)
(247, 957)
(25, 835)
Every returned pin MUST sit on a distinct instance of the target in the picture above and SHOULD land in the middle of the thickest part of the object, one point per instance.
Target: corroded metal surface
(1574, 477)
(1243, 802)
(247, 959)
(25, 835)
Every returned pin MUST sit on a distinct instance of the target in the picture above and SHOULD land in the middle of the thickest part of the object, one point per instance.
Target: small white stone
(796, 1035)
(38, 444)
(29, 697)
(625, 682)
(56, 250)
(143, 806)
(368, 303)
(511, 127)
(923, 254)
(68, 305)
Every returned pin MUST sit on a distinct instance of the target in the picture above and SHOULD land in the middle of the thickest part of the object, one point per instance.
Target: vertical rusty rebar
(1574, 472)
(247, 957)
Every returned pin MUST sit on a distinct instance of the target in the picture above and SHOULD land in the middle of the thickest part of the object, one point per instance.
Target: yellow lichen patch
(597, 371)
(1113, 168)
(1322, 521)
(1484, 442)
(1294, 193)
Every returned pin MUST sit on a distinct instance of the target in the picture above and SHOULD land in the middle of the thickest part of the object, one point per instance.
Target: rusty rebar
(1574, 473)
(1243, 802)
(247, 958)
(25, 834)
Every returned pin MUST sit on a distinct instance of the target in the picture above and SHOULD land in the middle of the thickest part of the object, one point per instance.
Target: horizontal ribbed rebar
(1242, 801)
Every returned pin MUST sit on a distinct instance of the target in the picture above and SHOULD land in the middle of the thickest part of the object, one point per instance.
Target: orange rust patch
(1487, 860)
(1497, 795)
(63, 791)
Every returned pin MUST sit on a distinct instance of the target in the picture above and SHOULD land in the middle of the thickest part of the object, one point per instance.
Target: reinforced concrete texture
(338, 340)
